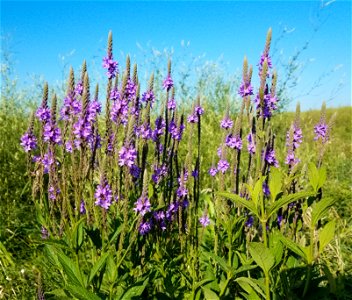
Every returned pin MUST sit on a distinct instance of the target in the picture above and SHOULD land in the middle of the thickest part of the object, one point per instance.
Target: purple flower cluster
(194, 117)
(159, 173)
(265, 55)
(234, 142)
(52, 133)
(43, 113)
(53, 192)
(111, 66)
(171, 104)
(204, 220)
(226, 123)
(213, 171)
(270, 157)
(246, 89)
(130, 90)
(103, 194)
(182, 190)
(168, 83)
(142, 205)
(127, 156)
(321, 132)
(175, 131)
(148, 97)
(159, 128)
(119, 110)
(29, 141)
(296, 140)
(251, 145)
(223, 165)
(71, 107)
(268, 106)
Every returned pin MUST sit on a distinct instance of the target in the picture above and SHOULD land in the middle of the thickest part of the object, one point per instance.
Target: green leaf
(98, 266)
(320, 208)
(70, 269)
(245, 268)
(317, 177)
(135, 291)
(297, 249)
(221, 261)
(257, 192)
(111, 270)
(286, 200)
(248, 284)
(77, 234)
(276, 247)
(326, 235)
(262, 256)
(51, 254)
(275, 183)
(203, 282)
(209, 294)
(241, 201)
(81, 293)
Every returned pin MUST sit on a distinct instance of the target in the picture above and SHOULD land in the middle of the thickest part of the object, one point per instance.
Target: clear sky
(43, 32)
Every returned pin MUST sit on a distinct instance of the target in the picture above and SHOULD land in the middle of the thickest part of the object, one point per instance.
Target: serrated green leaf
(297, 249)
(257, 192)
(244, 282)
(111, 270)
(286, 200)
(51, 254)
(98, 266)
(326, 235)
(209, 294)
(275, 183)
(241, 201)
(81, 293)
(77, 234)
(320, 208)
(276, 247)
(70, 269)
(262, 256)
(135, 290)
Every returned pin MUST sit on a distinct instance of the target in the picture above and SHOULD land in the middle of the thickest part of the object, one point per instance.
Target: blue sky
(43, 32)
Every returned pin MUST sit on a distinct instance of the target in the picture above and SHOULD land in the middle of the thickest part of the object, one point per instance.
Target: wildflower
(45, 233)
(249, 222)
(213, 171)
(266, 190)
(223, 165)
(111, 66)
(291, 159)
(145, 131)
(52, 133)
(171, 104)
(142, 205)
(79, 88)
(226, 123)
(192, 118)
(135, 171)
(246, 89)
(176, 132)
(103, 194)
(82, 208)
(71, 107)
(148, 97)
(321, 131)
(199, 110)
(204, 220)
(43, 114)
(168, 83)
(94, 108)
(53, 192)
(250, 145)
(270, 157)
(159, 173)
(130, 90)
(234, 142)
(29, 141)
(127, 156)
(159, 128)
(115, 94)
(47, 161)
(145, 227)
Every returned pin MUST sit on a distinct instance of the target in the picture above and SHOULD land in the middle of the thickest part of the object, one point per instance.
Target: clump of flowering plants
(122, 206)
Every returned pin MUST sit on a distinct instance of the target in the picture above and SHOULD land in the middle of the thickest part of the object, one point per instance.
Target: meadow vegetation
(149, 199)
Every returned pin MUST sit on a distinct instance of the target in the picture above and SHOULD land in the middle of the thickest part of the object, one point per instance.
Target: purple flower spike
(234, 142)
(192, 118)
(245, 89)
(45, 233)
(223, 165)
(127, 156)
(142, 205)
(213, 171)
(250, 145)
(249, 222)
(270, 158)
(82, 208)
(43, 114)
(52, 133)
(168, 83)
(28, 141)
(321, 132)
(171, 104)
(199, 110)
(145, 227)
(226, 123)
(79, 88)
(103, 194)
(204, 220)
(148, 97)
(111, 66)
